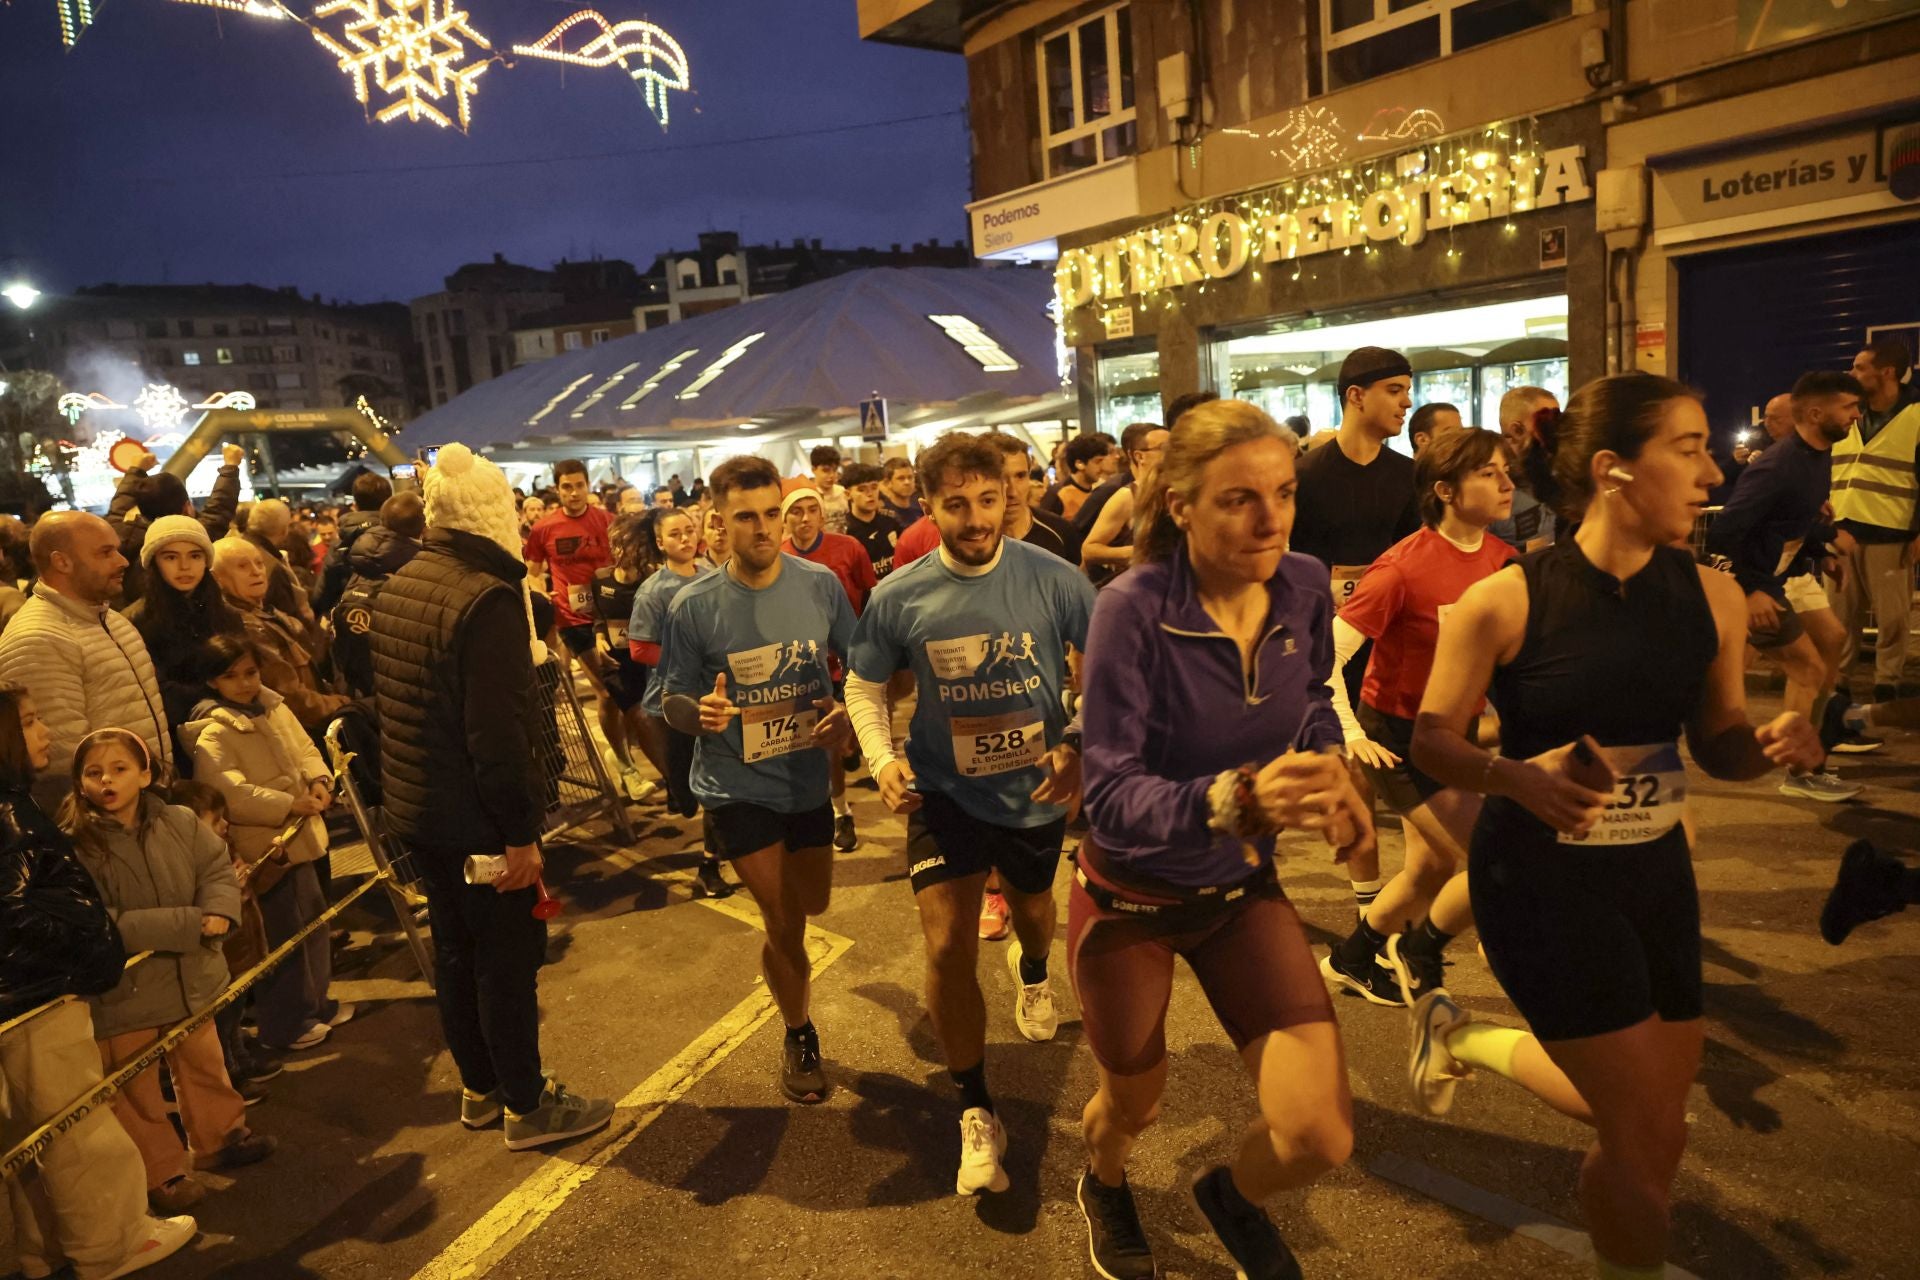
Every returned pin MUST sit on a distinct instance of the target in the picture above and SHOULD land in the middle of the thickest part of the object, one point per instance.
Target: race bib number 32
(986, 745)
(1649, 796)
(766, 732)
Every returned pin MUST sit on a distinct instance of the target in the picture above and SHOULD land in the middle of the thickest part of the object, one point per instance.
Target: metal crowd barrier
(579, 788)
(393, 865)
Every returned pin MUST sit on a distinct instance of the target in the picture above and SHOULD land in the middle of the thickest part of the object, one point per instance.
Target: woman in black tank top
(1598, 652)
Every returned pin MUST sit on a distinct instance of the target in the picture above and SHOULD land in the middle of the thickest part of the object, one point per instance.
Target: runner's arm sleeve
(1346, 642)
(867, 708)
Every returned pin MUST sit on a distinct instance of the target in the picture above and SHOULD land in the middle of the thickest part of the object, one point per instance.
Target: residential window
(190, 357)
(120, 329)
(599, 336)
(156, 328)
(286, 355)
(249, 328)
(433, 323)
(219, 329)
(279, 324)
(254, 355)
(185, 328)
(1086, 92)
(223, 355)
(571, 340)
(289, 381)
(160, 357)
(1364, 39)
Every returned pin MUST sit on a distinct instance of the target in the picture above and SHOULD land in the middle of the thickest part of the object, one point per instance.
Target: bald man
(83, 664)
(1776, 420)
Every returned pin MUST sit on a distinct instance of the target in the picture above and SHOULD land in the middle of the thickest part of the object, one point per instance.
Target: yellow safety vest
(1874, 481)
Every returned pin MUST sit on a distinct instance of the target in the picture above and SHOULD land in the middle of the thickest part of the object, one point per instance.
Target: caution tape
(109, 1088)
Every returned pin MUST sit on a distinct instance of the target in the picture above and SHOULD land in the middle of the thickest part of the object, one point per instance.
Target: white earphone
(1620, 474)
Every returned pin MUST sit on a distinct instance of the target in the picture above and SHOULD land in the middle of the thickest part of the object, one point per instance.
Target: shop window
(1086, 92)
(1129, 390)
(1364, 39)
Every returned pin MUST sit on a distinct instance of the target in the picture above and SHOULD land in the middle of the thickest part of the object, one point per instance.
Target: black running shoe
(1116, 1242)
(844, 836)
(709, 882)
(1371, 978)
(1248, 1234)
(1416, 970)
(1867, 888)
(802, 1077)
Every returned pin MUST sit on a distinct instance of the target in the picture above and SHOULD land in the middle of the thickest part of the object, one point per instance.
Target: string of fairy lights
(421, 60)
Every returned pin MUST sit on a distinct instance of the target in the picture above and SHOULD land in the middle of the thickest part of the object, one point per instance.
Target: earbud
(1620, 474)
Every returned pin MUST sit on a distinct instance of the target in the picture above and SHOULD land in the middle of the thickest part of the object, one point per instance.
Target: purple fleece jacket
(1168, 709)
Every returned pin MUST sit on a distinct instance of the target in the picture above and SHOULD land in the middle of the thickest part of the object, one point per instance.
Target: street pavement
(1803, 1158)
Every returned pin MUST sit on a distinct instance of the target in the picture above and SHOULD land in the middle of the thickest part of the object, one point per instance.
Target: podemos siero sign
(1222, 239)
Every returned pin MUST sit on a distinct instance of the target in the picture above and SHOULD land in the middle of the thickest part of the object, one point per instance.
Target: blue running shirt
(773, 644)
(649, 622)
(989, 655)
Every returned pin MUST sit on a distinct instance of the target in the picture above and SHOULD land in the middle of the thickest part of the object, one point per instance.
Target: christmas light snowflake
(160, 406)
(412, 51)
(1310, 138)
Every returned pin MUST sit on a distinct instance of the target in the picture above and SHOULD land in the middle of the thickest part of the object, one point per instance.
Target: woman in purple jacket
(1208, 729)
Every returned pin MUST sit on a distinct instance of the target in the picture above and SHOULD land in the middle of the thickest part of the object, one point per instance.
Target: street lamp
(20, 294)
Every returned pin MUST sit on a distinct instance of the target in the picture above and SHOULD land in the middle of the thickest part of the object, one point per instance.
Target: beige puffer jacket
(86, 668)
(261, 764)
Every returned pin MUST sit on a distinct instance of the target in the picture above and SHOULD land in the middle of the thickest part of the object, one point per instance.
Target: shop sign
(1119, 322)
(1377, 207)
(1033, 216)
(1807, 172)
(1770, 22)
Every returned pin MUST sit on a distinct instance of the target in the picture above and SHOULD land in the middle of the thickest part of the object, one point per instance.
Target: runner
(1530, 527)
(809, 539)
(1209, 729)
(1356, 500)
(1464, 485)
(1598, 651)
(898, 491)
(1435, 418)
(1082, 461)
(672, 533)
(1033, 526)
(825, 460)
(1109, 546)
(745, 653)
(569, 544)
(614, 588)
(991, 772)
(868, 522)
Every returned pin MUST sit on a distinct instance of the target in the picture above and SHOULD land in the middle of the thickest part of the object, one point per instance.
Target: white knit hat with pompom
(467, 492)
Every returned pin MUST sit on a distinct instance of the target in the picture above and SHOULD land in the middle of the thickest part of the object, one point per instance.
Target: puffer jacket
(376, 556)
(158, 883)
(56, 938)
(87, 668)
(338, 567)
(261, 764)
(453, 681)
(288, 669)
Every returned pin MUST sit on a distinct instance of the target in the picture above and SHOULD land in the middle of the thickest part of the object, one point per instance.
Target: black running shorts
(945, 842)
(1402, 786)
(627, 682)
(741, 829)
(578, 639)
(1585, 940)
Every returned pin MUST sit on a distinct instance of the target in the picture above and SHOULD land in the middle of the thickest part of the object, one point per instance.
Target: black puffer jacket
(376, 556)
(56, 937)
(338, 567)
(453, 682)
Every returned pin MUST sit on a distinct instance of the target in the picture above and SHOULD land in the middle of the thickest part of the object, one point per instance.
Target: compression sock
(972, 1084)
(801, 1032)
(1615, 1271)
(1488, 1047)
(840, 809)
(1363, 943)
(1364, 892)
(1426, 939)
(1033, 969)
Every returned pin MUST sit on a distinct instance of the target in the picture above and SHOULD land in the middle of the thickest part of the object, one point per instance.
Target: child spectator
(248, 1065)
(170, 889)
(248, 746)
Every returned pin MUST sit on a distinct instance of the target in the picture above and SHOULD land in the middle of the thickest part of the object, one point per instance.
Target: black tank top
(1623, 661)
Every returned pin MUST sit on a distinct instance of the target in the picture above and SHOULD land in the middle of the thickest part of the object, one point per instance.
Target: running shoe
(176, 1194)
(640, 790)
(163, 1238)
(1416, 970)
(1116, 1242)
(1827, 788)
(709, 882)
(259, 1066)
(1243, 1227)
(242, 1147)
(1376, 982)
(562, 1114)
(802, 1076)
(250, 1091)
(1431, 1070)
(1033, 1011)
(1867, 888)
(481, 1110)
(845, 838)
(983, 1140)
(993, 917)
(315, 1034)
(1855, 743)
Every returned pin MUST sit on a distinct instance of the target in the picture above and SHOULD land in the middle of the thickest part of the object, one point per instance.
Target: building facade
(466, 330)
(1236, 193)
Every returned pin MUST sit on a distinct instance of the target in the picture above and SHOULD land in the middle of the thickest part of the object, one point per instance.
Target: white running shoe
(1033, 1012)
(1431, 1070)
(982, 1142)
(164, 1238)
(640, 790)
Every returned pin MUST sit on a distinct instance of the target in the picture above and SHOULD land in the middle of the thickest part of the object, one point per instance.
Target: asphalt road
(1803, 1159)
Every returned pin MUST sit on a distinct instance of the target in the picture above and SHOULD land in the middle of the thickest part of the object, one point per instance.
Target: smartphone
(405, 471)
(430, 455)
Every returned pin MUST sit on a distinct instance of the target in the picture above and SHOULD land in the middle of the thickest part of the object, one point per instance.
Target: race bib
(580, 598)
(986, 745)
(617, 633)
(1345, 578)
(766, 732)
(1649, 796)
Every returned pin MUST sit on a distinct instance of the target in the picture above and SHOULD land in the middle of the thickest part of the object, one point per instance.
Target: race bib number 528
(986, 745)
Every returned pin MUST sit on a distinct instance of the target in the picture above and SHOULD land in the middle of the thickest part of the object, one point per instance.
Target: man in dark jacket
(378, 553)
(370, 492)
(145, 494)
(453, 671)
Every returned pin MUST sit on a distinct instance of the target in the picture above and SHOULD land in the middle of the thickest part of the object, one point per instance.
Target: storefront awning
(922, 338)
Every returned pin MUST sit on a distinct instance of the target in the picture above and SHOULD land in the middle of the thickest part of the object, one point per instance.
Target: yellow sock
(1487, 1047)
(1614, 1271)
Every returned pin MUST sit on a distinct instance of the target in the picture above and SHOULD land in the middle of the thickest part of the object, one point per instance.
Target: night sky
(183, 144)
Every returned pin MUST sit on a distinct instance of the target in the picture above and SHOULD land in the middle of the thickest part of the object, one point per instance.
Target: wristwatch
(1073, 739)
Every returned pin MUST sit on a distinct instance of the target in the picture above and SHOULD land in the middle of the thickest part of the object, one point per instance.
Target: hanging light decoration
(643, 42)
(414, 52)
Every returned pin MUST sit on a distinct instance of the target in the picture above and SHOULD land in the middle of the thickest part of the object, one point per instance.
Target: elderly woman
(242, 571)
(1210, 728)
(268, 525)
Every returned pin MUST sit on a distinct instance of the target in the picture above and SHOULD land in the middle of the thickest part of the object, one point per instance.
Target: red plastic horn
(548, 906)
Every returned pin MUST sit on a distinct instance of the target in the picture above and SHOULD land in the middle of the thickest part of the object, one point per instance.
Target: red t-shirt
(1398, 604)
(571, 547)
(848, 560)
(922, 536)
